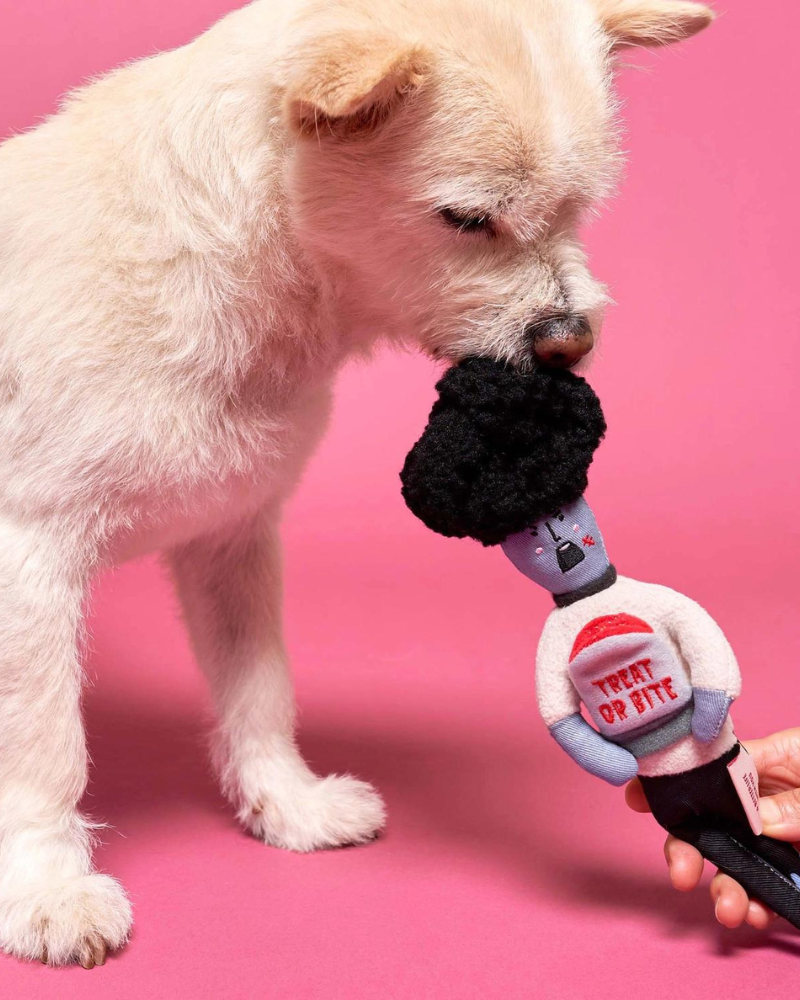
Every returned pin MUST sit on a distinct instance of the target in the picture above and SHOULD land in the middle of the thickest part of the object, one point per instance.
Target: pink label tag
(745, 781)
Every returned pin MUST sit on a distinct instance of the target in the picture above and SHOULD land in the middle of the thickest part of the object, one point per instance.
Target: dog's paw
(310, 815)
(78, 920)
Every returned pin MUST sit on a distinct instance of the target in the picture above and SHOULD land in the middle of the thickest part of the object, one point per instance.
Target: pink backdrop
(505, 872)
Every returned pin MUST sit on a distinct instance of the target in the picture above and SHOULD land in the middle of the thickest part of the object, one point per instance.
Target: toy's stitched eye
(466, 222)
(560, 516)
(534, 532)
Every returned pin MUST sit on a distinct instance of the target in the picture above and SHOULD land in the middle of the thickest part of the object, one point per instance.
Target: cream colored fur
(189, 250)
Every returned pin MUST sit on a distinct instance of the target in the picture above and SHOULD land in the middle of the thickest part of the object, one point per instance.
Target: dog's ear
(348, 82)
(652, 22)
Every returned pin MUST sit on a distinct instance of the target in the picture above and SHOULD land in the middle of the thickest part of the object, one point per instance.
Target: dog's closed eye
(467, 222)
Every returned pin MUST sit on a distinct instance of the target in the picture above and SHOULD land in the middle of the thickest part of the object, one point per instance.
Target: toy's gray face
(563, 552)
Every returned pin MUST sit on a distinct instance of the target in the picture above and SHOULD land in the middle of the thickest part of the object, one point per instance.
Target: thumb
(781, 815)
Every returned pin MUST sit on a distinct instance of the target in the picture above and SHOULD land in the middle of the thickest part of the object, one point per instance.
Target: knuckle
(789, 804)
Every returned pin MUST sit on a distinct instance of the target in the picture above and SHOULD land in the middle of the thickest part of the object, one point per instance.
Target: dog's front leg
(230, 587)
(53, 906)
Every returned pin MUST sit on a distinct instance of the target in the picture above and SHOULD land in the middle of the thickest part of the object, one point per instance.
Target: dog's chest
(221, 472)
(209, 509)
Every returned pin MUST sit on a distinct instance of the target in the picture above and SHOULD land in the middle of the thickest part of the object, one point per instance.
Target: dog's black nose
(560, 341)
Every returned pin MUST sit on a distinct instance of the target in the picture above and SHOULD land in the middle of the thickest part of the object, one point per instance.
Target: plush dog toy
(504, 460)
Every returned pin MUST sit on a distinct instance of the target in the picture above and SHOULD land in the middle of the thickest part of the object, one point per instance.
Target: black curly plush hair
(501, 450)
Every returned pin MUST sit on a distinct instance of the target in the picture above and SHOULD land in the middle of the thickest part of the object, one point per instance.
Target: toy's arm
(560, 707)
(711, 661)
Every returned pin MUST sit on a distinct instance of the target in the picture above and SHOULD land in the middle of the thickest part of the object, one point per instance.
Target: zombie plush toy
(504, 460)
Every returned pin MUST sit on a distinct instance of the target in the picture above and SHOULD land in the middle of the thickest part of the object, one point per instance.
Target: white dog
(189, 250)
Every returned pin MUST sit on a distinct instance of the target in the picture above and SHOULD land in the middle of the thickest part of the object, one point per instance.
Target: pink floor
(505, 871)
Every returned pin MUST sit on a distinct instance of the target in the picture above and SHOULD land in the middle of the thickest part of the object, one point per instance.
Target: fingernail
(770, 811)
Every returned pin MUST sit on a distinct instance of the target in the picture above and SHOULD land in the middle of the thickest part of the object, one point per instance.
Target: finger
(731, 904)
(634, 796)
(685, 864)
(781, 815)
(777, 752)
(759, 916)
(762, 751)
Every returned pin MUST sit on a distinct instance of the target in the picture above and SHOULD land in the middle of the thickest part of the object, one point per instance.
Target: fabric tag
(745, 780)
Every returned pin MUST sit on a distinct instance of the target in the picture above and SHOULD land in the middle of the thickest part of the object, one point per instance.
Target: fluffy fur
(502, 450)
(189, 250)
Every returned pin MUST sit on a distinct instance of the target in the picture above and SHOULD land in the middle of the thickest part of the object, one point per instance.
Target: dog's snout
(560, 341)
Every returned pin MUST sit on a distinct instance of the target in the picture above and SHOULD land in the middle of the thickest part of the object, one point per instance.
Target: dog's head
(446, 152)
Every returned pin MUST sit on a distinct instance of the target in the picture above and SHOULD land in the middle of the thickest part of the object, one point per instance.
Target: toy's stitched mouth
(569, 555)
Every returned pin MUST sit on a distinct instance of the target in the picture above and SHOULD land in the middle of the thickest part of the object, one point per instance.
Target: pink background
(505, 871)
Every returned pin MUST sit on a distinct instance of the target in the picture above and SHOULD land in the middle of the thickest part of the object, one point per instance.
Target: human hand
(777, 760)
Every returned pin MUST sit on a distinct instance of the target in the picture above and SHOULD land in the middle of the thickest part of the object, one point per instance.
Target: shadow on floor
(471, 798)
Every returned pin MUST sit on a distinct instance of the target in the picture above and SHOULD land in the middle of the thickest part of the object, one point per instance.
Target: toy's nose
(561, 341)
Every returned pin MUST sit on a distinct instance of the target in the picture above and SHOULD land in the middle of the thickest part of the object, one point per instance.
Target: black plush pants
(701, 807)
